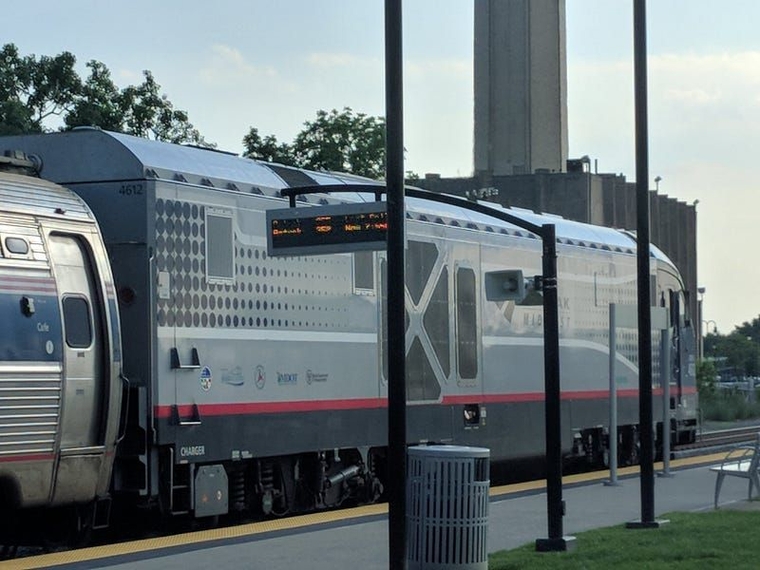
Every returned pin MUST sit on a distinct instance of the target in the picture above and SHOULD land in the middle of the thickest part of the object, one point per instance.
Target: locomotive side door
(83, 390)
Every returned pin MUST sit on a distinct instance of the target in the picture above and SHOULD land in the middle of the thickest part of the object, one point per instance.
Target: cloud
(413, 68)
(703, 112)
(707, 80)
(697, 104)
(341, 60)
(228, 64)
(437, 116)
(451, 68)
(124, 77)
(693, 96)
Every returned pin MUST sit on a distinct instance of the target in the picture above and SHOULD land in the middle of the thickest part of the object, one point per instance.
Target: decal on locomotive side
(287, 378)
(206, 378)
(233, 377)
(261, 377)
(192, 451)
(316, 377)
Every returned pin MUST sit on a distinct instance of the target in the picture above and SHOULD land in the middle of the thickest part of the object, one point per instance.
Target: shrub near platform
(729, 405)
(707, 540)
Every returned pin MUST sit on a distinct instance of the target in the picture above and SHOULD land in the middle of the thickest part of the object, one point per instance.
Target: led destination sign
(327, 229)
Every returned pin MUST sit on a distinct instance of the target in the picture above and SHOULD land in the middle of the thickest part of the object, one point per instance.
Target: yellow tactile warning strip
(129, 548)
(191, 538)
(602, 475)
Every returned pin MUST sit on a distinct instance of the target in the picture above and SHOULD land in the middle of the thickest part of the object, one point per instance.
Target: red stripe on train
(372, 403)
(30, 457)
(273, 407)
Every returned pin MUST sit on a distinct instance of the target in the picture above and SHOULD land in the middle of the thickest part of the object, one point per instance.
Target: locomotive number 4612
(131, 190)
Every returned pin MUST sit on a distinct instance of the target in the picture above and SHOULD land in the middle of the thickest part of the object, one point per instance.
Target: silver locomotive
(258, 383)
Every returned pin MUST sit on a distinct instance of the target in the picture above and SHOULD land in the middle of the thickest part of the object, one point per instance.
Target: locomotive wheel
(67, 527)
(629, 451)
(59, 529)
(205, 523)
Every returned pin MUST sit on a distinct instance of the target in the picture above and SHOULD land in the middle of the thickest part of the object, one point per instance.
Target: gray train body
(258, 383)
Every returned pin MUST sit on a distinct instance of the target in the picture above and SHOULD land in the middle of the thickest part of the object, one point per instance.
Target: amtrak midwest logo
(261, 377)
(206, 378)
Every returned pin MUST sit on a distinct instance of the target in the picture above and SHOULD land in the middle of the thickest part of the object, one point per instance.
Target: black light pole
(646, 436)
(554, 503)
(394, 179)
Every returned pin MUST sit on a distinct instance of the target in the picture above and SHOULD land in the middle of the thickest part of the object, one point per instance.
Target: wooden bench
(743, 462)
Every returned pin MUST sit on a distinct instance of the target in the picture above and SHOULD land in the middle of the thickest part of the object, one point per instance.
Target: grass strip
(728, 539)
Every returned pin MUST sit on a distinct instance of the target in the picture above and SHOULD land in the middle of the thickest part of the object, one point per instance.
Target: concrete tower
(520, 87)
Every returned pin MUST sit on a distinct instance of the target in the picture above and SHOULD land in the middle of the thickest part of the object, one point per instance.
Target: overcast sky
(234, 64)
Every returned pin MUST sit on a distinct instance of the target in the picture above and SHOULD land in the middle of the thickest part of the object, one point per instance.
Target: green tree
(100, 102)
(751, 329)
(32, 90)
(339, 141)
(150, 114)
(706, 374)
(740, 351)
(343, 141)
(15, 119)
(267, 148)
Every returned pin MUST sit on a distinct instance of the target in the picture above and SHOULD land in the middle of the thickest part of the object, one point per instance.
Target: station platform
(358, 538)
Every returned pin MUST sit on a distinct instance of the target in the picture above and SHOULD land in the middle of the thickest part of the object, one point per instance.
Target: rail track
(720, 438)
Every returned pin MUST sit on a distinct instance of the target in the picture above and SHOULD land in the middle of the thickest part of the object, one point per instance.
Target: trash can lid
(448, 451)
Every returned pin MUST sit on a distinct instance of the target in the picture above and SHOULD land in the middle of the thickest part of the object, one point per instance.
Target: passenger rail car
(258, 383)
(60, 356)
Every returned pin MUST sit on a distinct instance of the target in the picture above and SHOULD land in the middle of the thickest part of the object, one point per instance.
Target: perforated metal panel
(447, 507)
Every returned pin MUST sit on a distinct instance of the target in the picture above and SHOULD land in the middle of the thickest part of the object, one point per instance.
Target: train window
(364, 271)
(384, 316)
(421, 383)
(467, 330)
(420, 260)
(76, 318)
(16, 245)
(436, 321)
(220, 253)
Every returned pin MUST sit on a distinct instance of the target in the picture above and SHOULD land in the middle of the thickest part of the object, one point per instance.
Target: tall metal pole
(646, 436)
(551, 385)
(665, 368)
(554, 505)
(394, 176)
(613, 435)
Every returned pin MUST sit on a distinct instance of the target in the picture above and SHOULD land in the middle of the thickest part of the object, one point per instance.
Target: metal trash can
(447, 507)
